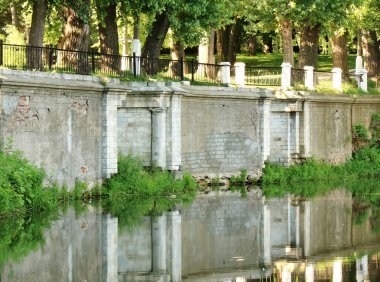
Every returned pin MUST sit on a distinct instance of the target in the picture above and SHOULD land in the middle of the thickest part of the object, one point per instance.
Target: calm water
(217, 238)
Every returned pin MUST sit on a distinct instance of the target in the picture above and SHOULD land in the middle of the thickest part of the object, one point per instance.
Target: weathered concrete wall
(54, 124)
(74, 126)
(221, 131)
(330, 127)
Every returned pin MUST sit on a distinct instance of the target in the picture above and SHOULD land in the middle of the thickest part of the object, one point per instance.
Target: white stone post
(159, 137)
(337, 270)
(309, 77)
(124, 52)
(136, 49)
(286, 75)
(240, 74)
(225, 73)
(309, 272)
(363, 78)
(358, 64)
(337, 78)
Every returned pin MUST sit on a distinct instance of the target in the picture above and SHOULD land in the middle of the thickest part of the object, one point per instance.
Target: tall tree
(36, 37)
(108, 35)
(76, 35)
(339, 50)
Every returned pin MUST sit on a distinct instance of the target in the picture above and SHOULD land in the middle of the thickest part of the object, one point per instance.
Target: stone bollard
(337, 78)
(136, 50)
(286, 75)
(225, 73)
(309, 77)
(362, 80)
(240, 74)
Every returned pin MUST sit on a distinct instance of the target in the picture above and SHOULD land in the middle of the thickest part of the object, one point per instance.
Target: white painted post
(337, 78)
(358, 64)
(225, 74)
(240, 74)
(363, 80)
(136, 49)
(309, 77)
(286, 75)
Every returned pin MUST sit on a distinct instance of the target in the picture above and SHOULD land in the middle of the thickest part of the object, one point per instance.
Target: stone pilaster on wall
(159, 136)
(294, 133)
(265, 126)
(173, 156)
(109, 134)
(305, 146)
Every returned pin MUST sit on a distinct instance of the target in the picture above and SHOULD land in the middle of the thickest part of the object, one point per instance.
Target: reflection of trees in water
(20, 235)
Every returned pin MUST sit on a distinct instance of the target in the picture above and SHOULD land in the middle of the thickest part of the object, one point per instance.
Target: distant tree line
(218, 28)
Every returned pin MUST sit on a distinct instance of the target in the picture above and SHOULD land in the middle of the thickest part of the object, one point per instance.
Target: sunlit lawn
(275, 60)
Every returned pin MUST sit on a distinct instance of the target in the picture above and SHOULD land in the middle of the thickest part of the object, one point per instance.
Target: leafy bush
(133, 180)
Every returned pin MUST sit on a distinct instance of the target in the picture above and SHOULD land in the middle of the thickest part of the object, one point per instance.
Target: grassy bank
(22, 189)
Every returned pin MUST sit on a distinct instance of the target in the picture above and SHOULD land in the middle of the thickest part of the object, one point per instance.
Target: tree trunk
(252, 45)
(177, 52)
(136, 28)
(339, 52)
(154, 41)
(211, 47)
(36, 37)
(15, 18)
(371, 52)
(109, 39)
(359, 51)
(287, 41)
(227, 42)
(222, 43)
(309, 46)
(76, 37)
(232, 43)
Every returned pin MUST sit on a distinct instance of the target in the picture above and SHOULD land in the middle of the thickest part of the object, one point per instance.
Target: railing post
(337, 78)
(225, 73)
(181, 72)
(134, 65)
(309, 77)
(1, 52)
(192, 70)
(286, 75)
(50, 56)
(93, 60)
(240, 74)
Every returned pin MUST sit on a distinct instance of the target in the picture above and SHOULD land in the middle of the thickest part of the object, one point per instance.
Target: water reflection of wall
(75, 249)
(218, 237)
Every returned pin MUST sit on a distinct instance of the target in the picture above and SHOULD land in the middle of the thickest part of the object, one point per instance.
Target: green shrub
(133, 180)
(359, 131)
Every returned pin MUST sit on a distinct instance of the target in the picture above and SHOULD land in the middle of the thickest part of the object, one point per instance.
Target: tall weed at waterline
(133, 180)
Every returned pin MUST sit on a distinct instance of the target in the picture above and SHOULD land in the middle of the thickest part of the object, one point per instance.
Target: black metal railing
(265, 76)
(49, 58)
(297, 77)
